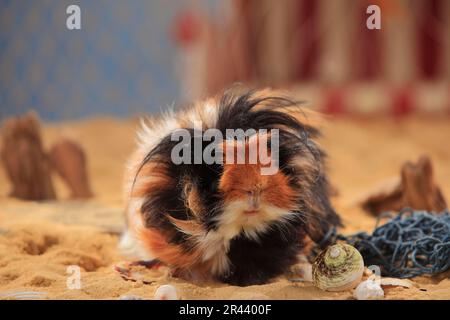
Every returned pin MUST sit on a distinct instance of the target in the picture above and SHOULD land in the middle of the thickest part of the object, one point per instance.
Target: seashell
(22, 295)
(369, 290)
(166, 292)
(141, 271)
(396, 282)
(339, 267)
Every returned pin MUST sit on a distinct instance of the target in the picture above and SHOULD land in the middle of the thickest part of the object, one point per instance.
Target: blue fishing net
(410, 244)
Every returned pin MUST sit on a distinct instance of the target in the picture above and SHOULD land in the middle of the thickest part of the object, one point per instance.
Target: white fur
(151, 132)
(129, 245)
(210, 114)
(131, 248)
(232, 222)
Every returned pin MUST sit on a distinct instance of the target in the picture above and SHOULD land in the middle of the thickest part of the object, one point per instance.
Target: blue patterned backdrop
(119, 63)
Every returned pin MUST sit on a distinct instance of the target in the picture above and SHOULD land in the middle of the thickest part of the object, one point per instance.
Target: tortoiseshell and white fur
(227, 221)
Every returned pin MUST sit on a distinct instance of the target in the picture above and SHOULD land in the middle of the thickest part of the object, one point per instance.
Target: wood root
(69, 161)
(416, 189)
(25, 162)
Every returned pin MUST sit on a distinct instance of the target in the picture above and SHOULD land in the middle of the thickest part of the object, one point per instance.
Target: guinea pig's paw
(146, 272)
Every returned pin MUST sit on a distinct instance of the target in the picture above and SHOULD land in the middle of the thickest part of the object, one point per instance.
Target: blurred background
(132, 57)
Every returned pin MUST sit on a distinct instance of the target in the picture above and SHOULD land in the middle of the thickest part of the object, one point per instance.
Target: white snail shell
(166, 292)
(339, 267)
(396, 282)
(369, 290)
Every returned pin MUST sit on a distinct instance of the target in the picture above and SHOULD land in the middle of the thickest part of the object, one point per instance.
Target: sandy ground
(38, 241)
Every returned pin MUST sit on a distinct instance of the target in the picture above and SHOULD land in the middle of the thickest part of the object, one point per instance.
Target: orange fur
(240, 179)
(192, 199)
(188, 226)
(170, 254)
(157, 177)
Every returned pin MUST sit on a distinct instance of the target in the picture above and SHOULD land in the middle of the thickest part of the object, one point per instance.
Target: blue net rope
(410, 244)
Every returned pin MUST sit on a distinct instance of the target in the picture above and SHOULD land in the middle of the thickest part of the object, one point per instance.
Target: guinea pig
(227, 220)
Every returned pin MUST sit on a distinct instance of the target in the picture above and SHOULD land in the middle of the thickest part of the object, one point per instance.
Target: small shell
(22, 295)
(166, 292)
(396, 282)
(339, 267)
(138, 271)
(369, 290)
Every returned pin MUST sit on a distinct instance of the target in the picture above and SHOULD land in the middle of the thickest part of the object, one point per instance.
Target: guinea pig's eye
(249, 193)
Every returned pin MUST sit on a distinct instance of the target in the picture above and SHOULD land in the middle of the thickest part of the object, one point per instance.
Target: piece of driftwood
(416, 189)
(69, 161)
(25, 162)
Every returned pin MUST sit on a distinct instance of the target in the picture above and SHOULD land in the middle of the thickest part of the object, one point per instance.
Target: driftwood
(416, 189)
(69, 161)
(25, 162)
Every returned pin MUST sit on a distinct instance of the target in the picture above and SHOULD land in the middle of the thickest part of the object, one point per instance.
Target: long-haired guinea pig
(228, 220)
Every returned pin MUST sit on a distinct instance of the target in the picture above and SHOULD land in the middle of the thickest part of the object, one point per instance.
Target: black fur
(252, 262)
(169, 201)
(256, 262)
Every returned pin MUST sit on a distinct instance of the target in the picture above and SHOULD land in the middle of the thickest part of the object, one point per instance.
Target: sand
(38, 241)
